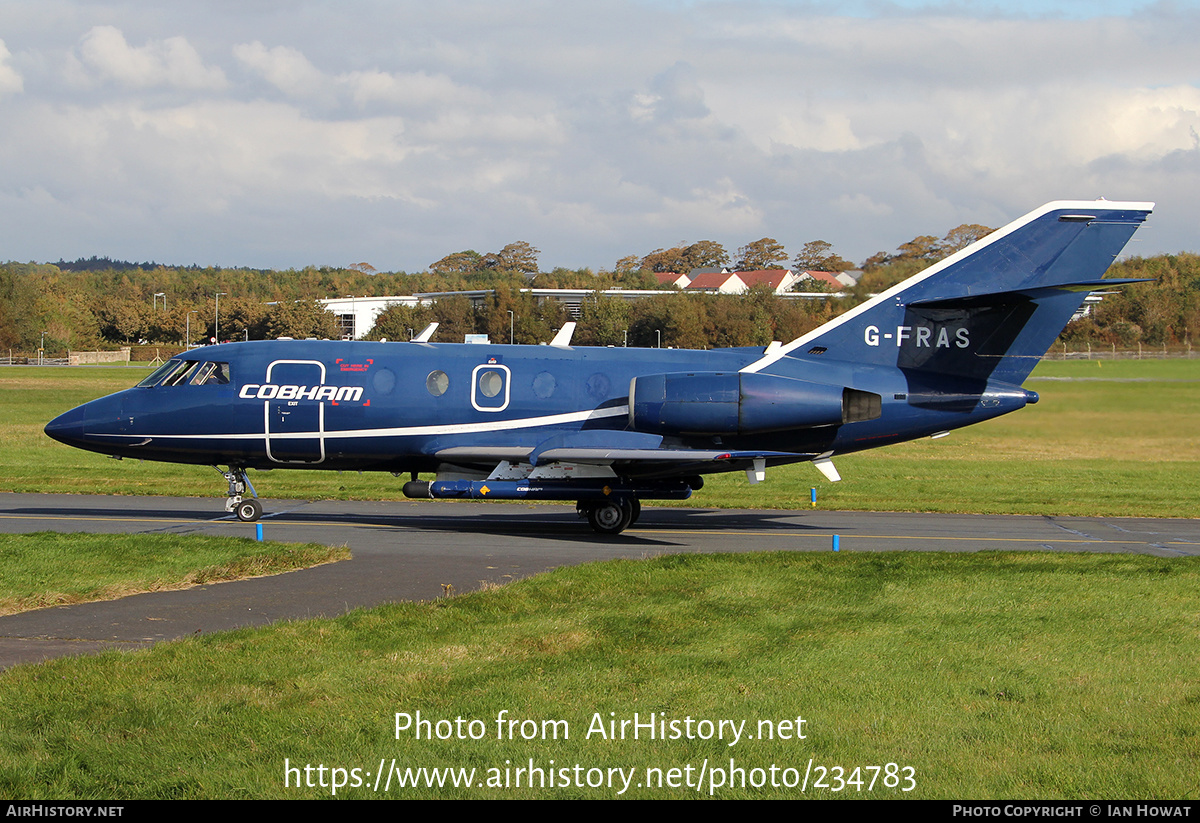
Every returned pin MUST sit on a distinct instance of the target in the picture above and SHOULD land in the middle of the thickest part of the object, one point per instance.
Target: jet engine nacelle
(741, 403)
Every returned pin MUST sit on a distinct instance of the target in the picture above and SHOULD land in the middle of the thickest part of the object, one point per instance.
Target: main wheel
(249, 510)
(610, 517)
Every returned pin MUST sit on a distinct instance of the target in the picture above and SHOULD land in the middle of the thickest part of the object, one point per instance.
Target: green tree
(460, 262)
(244, 318)
(740, 320)
(603, 321)
(962, 236)
(298, 318)
(531, 322)
(456, 318)
(876, 260)
(681, 319)
(706, 254)
(817, 255)
(629, 263)
(124, 319)
(519, 256)
(926, 248)
(683, 259)
(665, 260)
(766, 253)
(401, 322)
(18, 327)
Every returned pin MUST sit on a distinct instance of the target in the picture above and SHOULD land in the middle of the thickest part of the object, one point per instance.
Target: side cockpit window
(211, 373)
(188, 372)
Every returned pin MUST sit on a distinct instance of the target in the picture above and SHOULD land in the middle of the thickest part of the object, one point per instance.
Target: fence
(1060, 351)
(73, 358)
(22, 359)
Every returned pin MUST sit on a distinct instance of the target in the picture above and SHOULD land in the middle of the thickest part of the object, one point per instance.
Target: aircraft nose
(67, 428)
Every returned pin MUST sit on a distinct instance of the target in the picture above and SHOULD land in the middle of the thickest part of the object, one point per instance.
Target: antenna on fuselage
(426, 333)
(563, 338)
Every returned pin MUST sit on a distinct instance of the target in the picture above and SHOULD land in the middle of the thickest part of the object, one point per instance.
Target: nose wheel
(247, 509)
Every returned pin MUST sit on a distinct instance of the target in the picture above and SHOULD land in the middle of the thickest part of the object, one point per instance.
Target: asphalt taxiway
(419, 550)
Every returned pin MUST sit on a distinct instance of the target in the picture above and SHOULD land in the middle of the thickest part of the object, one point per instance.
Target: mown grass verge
(992, 675)
(52, 569)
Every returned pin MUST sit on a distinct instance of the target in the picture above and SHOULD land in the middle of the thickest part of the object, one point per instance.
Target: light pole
(511, 317)
(163, 295)
(625, 339)
(659, 333)
(41, 348)
(217, 316)
(188, 333)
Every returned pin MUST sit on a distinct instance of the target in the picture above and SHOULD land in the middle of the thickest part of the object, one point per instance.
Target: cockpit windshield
(193, 372)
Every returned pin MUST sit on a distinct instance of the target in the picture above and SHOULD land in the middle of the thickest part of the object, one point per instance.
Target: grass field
(989, 675)
(51, 569)
(1117, 438)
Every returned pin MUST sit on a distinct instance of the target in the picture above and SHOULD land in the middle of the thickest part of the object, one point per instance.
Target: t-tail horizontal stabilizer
(989, 311)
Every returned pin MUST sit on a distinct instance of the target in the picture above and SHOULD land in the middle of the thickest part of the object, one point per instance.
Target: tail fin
(991, 310)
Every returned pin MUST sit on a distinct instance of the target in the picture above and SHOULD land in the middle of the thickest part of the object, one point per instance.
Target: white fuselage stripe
(411, 431)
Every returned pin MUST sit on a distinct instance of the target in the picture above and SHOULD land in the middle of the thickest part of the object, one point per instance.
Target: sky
(276, 134)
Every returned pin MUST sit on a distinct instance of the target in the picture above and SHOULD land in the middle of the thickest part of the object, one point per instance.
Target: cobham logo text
(270, 391)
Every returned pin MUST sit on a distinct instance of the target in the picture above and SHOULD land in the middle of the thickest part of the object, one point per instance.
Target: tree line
(694, 321)
(82, 307)
(100, 303)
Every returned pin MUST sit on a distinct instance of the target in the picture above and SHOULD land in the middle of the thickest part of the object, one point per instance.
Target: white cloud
(593, 131)
(408, 89)
(285, 68)
(10, 79)
(293, 74)
(170, 62)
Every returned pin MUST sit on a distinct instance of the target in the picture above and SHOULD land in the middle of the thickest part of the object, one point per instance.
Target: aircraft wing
(626, 456)
(633, 453)
(606, 456)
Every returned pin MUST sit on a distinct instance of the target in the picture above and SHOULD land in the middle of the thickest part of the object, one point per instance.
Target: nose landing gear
(247, 509)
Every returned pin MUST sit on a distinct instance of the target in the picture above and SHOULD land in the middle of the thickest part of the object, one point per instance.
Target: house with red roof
(666, 279)
(717, 283)
(778, 280)
(829, 278)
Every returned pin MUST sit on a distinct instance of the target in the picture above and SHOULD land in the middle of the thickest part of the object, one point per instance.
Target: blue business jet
(607, 427)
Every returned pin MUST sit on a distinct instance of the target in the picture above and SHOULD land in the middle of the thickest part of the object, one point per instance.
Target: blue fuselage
(398, 406)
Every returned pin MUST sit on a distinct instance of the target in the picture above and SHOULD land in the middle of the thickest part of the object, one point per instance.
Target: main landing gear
(610, 504)
(247, 509)
(610, 516)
